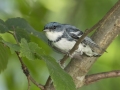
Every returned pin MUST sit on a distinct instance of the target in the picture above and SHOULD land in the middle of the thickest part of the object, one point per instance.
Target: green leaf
(3, 27)
(61, 80)
(1, 39)
(18, 22)
(20, 33)
(13, 47)
(3, 57)
(26, 50)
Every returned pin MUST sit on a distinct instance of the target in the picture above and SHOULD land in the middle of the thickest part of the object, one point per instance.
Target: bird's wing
(76, 34)
(90, 42)
(73, 32)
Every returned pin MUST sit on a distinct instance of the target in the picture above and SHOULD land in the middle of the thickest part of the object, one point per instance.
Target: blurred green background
(81, 13)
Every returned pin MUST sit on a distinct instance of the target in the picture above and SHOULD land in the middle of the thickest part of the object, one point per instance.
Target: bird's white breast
(64, 44)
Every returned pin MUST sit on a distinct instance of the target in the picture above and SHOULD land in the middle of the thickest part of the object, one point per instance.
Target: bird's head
(53, 26)
(53, 30)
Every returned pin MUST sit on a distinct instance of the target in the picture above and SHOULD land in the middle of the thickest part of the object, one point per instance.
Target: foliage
(81, 13)
(20, 29)
(4, 55)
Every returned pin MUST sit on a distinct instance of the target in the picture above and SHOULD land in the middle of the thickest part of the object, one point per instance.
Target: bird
(62, 37)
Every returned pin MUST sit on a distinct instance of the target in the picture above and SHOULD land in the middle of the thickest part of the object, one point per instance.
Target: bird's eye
(54, 27)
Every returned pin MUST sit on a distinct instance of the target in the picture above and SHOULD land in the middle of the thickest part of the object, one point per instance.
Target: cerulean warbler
(63, 37)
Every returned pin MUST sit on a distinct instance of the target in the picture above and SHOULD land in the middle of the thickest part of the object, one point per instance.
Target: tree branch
(107, 30)
(95, 77)
(62, 61)
(105, 34)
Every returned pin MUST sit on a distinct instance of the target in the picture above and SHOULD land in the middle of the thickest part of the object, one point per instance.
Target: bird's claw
(70, 55)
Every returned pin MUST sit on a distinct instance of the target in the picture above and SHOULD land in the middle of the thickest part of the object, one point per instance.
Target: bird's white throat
(52, 35)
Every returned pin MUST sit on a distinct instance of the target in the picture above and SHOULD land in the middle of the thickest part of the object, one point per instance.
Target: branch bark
(108, 29)
(95, 77)
(105, 34)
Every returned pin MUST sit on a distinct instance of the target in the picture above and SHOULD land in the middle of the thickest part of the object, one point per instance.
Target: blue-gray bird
(63, 37)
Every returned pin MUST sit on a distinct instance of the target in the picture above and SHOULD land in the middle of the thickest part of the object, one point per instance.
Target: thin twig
(26, 72)
(38, 85)
(95, 77)
(28, 83)
(24, 68)
(14, 34)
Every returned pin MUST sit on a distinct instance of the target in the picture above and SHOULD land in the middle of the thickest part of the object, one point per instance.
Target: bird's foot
(70, 55)
(97, 55)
